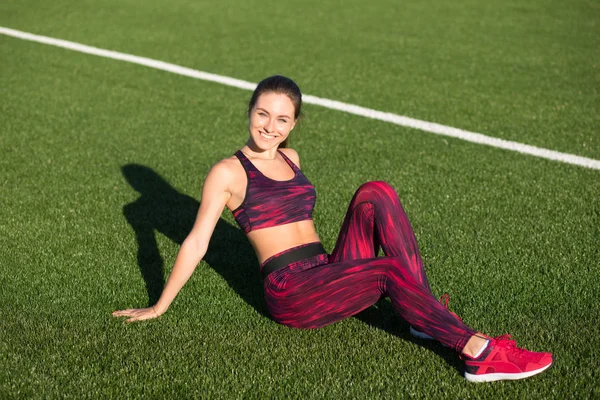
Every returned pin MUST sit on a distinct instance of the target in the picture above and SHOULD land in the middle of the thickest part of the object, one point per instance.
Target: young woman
(304, 287)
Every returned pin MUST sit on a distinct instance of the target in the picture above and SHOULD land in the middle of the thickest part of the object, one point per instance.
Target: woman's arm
(215, 194)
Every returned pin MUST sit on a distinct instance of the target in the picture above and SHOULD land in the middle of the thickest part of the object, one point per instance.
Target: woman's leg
(323, 294)
(313, 294)
(375, 218)
(317, 295)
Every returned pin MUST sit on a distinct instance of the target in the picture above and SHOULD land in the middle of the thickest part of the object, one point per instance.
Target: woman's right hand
(137, 314)
(215, 195)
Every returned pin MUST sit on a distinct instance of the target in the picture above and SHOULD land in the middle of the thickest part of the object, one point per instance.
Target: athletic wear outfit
(307, 288)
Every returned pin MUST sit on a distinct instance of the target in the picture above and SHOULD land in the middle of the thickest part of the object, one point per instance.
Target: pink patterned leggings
(321, 290)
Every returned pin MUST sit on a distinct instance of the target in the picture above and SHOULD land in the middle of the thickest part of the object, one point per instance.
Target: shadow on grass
(162, 208)
(383, 316)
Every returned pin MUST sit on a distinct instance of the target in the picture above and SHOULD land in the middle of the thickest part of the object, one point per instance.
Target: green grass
(513, 239)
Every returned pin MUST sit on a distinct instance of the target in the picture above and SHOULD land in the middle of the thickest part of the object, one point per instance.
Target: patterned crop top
(269, 203)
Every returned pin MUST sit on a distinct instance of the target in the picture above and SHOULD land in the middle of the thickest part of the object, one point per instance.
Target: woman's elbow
(196, 245)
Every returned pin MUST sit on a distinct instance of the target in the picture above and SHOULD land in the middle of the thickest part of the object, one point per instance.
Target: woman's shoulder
(226, 168)
(292, 155)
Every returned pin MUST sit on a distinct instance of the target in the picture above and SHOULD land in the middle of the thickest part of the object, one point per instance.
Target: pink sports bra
(269, 203)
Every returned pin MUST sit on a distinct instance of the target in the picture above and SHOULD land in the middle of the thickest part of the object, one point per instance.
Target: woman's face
(271, 120)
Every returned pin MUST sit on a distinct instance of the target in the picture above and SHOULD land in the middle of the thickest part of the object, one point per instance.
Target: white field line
(331, 104)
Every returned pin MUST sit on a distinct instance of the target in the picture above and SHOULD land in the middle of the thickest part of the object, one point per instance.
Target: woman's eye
(282, 120)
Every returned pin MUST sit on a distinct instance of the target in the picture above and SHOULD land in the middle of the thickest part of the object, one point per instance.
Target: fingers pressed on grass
(119, 313)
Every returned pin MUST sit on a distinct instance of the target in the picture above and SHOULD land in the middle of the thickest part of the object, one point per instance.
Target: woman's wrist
(158, 310)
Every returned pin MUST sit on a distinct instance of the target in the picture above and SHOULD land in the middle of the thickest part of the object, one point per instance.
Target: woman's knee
(375, 191)
(374, 185)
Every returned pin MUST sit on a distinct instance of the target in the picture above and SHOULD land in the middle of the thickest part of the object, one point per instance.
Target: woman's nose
(269, 125)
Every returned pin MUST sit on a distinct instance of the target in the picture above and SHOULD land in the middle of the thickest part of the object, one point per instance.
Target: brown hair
(282, 85)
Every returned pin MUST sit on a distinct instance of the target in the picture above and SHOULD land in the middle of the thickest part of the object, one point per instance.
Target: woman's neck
(252, 152)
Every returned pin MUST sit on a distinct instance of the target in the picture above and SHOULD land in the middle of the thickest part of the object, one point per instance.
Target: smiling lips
(267, 137)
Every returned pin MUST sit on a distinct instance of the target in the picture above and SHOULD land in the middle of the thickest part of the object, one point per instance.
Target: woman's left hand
(137, 314)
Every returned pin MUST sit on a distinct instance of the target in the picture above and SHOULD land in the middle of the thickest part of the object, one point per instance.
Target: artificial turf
(102, 164)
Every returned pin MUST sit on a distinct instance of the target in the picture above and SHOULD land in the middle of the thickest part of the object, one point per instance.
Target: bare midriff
(269, 241)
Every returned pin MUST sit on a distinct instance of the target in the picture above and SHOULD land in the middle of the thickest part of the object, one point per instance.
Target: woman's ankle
(475, 346)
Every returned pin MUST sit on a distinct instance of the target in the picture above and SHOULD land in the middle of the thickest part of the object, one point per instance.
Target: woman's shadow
(162, 208)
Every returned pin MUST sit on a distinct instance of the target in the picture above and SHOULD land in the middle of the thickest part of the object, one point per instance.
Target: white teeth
(267, 136)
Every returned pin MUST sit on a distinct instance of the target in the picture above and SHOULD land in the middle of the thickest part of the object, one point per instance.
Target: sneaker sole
(500, 376)
(420, 335)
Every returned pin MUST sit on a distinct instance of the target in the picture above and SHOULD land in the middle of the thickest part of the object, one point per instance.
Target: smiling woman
(278, 92)
(305, 287)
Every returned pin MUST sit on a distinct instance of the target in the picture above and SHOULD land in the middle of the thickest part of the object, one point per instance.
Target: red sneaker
(503, 360)
(445, 299)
